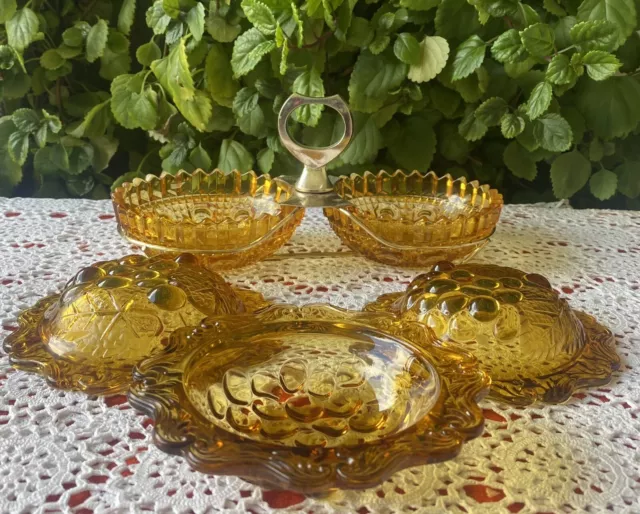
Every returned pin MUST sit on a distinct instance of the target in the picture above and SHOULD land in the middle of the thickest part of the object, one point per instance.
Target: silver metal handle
(314, 176)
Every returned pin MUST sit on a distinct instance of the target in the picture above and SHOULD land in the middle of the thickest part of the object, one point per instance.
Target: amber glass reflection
(525, 336)
(310, 398)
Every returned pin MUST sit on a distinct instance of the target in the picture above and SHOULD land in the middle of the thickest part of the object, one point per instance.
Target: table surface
(62, 452)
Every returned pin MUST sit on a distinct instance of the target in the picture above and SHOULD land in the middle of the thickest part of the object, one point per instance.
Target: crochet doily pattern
(68, 452)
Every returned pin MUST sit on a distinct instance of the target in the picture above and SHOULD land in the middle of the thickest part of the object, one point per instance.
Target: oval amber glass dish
(414, 220)
(113, 314)
(310, 399)
(525, 336)
(225, 220)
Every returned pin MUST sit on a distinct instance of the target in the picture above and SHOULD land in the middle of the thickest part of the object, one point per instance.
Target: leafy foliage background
(539, 98)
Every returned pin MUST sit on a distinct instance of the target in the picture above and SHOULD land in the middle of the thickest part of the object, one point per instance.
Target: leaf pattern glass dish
(113, 314)
(225, 220)
(414, 219)
(525, 336)
(310, 398)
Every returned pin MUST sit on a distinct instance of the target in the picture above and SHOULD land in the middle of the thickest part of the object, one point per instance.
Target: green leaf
(595, 35)
(26, 120)
(300, 27)
(365, 143)
(434, 52)
(95, 123)
(360, 33)
(622, 13)
(309, 83)
(73, 37)
(560, 70)
(596, 150)
(126, 16)
(512, 125)
(415, 145)
(539, 100)
(172, 8)
(451, 145)
(105, 148)
(569, 173)
(469, 57)
(260, 16)
(97, 40)
(219, 76)
(195, 21)
(157, 19)
(373, 77)
(245, 101)
(68, 52)
(265, 160)
(22, 28)
(234, 156)
(491, 111)
(471, 128)
(51, 60)
(444, 100)
(519, 161)
(18, 145)
(51, 159)
(132, 105)
(553, 7)
(7, 10)
(379, 43)
(248, 51)
(200, 158)
(538, 39)
(456, 20)
(611, 108)
(526, 15)
(80, 158)
(173, 73)
(221, 30)
(508, 47)
(222, 119)
(148, 53)
(407, 49)
(116, 60)
(196, 109)
(600, 65)
(603, 184)
(629, 178)
(420, 5)
(553, 132)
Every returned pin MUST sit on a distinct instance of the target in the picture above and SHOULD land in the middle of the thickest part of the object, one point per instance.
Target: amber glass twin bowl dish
(310, 398)
(225, 220)
(414, 219)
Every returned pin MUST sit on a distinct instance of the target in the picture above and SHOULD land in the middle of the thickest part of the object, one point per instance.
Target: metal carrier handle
(314, 175)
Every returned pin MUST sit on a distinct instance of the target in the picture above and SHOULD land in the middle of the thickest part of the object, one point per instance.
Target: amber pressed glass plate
(310, 398)
(525, 336)
(414, 219)
(112, 314)
(226, 220)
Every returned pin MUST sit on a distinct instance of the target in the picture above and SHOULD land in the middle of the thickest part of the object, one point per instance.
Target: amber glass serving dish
(525, 336)
(310, 398)
(225, 220)
(113, 314)
(414, 220)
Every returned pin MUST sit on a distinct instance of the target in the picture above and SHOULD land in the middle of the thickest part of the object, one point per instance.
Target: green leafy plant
(540, 99)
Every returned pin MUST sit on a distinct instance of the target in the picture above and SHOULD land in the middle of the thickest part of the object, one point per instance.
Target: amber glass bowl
(112, 314)
(225, 220)
(414, 220)
(524, 335)
(310, 398)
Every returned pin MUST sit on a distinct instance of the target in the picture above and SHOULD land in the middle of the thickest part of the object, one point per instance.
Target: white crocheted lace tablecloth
(66, 452)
